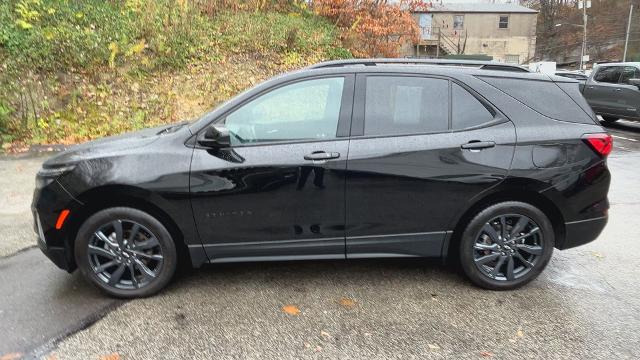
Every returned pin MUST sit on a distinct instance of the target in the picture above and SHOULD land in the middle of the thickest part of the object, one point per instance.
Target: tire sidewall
(473, 229)
(94, 222)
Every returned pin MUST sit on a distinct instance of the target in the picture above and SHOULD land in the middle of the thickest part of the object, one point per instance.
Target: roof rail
(486, 65)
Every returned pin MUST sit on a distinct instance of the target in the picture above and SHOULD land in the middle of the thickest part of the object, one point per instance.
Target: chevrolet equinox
(484, 164)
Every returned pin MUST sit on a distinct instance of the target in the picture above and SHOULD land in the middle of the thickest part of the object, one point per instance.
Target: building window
(458, 22)
(504, 22)
(512, 59)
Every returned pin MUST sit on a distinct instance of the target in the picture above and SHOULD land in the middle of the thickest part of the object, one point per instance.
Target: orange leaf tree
(372, 28)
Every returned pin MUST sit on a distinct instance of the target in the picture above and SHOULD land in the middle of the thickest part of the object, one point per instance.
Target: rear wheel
(125, 252)
(506, 245)
(610, 119)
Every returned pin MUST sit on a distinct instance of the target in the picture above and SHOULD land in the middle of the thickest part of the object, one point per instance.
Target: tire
(610, 119)
(477, 245)
(145, 248)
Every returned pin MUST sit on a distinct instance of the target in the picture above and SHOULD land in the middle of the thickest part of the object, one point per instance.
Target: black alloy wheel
(125, 252)
(506, 245)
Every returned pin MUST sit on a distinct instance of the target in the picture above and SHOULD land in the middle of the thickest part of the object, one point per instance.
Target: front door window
(306, 110)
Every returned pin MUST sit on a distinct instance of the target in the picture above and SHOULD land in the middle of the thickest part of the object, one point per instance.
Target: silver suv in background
(613, 91)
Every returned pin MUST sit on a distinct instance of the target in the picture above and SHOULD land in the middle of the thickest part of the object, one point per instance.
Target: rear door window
(609, 74)
(405, 105)
(467, 111)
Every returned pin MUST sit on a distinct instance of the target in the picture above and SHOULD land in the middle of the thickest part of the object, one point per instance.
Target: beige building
(506, 32)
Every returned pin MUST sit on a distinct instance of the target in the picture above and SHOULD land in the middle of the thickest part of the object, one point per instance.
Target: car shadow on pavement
(349, 273)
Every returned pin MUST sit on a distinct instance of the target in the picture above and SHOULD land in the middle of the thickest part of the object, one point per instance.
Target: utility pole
(584, 34)
(626, 41)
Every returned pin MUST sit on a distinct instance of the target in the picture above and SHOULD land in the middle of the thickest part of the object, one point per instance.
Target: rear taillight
(600, 143)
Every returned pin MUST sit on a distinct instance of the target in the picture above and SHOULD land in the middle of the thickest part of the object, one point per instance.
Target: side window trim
(344, 119)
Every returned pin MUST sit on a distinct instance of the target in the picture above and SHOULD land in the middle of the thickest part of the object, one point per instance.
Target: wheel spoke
(530, 233)
(132, 271)
(510, 262)
(490, 247)
(519, 226)
(105, 266)
(487, 258)
(101, 251)
(503, 227)
(144, 269)
(496, 269)
(524, 261)
(100, 235)
(531, 249)
(152, 256)
(115, 277)
(489, 230)
(132, 235)
(117, 227)
(147, 244)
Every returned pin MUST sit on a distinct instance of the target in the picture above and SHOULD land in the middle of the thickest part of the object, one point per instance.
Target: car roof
(478, 64)
(629, 63)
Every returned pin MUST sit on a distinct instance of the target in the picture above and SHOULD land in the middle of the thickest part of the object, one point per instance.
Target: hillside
(73, 71)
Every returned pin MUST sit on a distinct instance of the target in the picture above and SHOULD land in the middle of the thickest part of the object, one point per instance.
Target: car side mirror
(635, 82)
(215, 137)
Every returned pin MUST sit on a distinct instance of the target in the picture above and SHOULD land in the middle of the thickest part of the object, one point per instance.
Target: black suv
(356, 159)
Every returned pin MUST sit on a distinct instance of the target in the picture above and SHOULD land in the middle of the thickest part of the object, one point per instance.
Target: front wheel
(125, 252)
(506, 245)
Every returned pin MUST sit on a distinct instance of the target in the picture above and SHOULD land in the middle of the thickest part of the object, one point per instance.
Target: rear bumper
(582, 232)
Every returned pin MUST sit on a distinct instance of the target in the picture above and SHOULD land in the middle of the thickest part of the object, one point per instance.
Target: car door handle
(322, 155)
(617, 90)
(478, 145)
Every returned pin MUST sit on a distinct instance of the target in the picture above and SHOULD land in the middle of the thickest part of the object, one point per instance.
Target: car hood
(113, 145)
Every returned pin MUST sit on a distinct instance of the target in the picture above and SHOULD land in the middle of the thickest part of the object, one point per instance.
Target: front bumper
(582, 232)
(57, 254)
(48, 202)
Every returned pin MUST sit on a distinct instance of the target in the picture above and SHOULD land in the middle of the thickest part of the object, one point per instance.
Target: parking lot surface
(585, 305)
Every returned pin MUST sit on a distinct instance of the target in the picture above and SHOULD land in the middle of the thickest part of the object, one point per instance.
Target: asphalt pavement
(585, 305)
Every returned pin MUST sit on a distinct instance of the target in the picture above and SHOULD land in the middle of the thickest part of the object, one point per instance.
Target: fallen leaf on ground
(486, 354)
(597, 254)
(433, 347)
(114, 356)
(347, 303)
(291, 310)
(520, 333)
(325, 334)
(11, 356)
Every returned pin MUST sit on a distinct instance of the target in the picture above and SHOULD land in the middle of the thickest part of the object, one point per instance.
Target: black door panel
(278, 191)
(417, 184)
(275, 203)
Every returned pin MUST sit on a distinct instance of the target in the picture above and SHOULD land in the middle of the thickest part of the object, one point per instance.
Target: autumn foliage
(372, 28)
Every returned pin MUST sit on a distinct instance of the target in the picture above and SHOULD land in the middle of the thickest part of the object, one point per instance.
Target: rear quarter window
(546, 98)
(466, 110)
